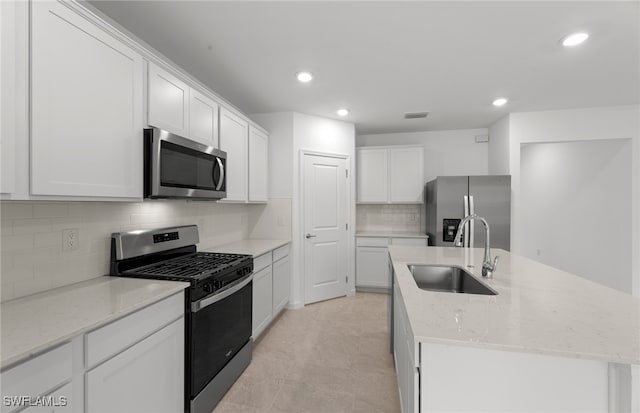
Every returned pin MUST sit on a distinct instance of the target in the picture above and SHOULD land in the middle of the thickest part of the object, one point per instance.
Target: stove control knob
(207, 288)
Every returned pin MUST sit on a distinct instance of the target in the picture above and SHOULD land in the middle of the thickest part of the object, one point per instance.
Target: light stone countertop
(38, 322)
(255, 247)
(392, 234)
(539, 309)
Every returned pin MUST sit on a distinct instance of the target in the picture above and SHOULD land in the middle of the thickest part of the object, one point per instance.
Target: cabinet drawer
(409, 241)
(261, 262)
(281, 252)
(106, 341)
(37, 376)
(371, 242)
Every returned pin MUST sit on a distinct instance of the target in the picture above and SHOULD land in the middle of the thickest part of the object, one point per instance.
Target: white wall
(620, 122)
(498, 147)
(576, 208)
(450, 152)
(617, 122)
(314, 133)
(291, 133)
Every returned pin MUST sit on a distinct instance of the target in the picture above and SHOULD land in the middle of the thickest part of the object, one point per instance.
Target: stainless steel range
(218, 341)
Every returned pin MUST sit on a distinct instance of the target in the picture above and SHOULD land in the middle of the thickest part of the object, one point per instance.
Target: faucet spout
(488, 265)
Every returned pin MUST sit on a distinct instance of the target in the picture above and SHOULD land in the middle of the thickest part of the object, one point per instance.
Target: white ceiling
(381, 59)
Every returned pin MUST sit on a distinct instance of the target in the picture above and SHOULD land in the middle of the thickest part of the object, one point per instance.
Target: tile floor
(327, 357)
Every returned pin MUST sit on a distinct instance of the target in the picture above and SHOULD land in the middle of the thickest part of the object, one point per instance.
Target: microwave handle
(221, 180)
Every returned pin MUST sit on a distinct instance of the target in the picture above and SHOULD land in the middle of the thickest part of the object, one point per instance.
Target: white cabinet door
(59, 401)
(406, 175)
(262, 300)
(234, 134)
(258, 165)
(372, 175)
(281, 283)
(203, 119)
(37, 376)
(372, 267)
(148, 377)
(86, 108)
(168, 103)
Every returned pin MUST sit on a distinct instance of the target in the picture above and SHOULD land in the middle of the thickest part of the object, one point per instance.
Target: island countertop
(538, 309)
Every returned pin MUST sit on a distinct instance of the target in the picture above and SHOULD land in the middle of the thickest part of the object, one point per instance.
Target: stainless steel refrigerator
(451, 198)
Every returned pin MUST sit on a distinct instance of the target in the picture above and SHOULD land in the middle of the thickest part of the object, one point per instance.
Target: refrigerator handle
(466, 226)
(472, 225)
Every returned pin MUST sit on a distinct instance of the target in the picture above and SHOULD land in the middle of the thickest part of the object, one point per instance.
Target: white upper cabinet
(234, 136)
(392, 174)
(406, 175)
(258, 165)
(372, 175)
(168, 102)
(86, 108)
(203, 119)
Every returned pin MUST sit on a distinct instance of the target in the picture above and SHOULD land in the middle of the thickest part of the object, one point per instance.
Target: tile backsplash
(33, 258)
(374, 217)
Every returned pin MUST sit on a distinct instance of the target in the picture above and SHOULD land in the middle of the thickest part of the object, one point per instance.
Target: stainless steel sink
(448, 279)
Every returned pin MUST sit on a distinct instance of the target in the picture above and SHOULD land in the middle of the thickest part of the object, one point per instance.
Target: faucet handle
(495, 262)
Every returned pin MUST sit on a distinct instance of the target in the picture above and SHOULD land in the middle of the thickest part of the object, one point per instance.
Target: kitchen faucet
(488, 266)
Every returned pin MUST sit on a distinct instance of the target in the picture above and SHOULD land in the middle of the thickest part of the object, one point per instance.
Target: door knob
(309, 236)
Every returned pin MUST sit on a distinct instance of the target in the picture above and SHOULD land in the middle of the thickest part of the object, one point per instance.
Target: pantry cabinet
(390, 175)
(86, 107)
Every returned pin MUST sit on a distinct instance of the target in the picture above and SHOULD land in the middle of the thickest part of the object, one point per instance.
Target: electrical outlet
(70, 239)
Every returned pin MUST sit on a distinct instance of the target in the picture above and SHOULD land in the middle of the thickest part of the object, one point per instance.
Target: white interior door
(325, 227)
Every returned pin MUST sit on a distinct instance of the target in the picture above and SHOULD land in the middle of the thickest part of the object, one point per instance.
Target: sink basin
(448, 279)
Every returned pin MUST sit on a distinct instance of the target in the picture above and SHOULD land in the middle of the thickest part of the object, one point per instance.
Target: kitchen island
(546, 342)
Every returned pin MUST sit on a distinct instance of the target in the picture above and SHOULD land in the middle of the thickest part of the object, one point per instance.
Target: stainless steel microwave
(177, 167)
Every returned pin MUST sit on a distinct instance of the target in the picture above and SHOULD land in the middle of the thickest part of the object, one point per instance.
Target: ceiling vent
(415, 115)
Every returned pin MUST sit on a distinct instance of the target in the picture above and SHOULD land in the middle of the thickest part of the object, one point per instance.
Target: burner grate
(190, 266)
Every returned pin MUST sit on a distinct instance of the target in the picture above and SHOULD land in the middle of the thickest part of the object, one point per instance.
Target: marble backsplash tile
(374, 217)
(32, 258)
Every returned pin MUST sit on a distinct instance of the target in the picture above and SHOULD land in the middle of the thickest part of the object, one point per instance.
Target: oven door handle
(205, 302)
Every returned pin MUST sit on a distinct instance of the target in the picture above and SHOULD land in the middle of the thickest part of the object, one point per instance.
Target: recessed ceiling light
(343, 112)
(574, 39)
(499, 102)
(304, 77)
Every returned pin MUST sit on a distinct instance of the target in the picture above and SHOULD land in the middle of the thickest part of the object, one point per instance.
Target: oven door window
(218, 332)
(182, 167)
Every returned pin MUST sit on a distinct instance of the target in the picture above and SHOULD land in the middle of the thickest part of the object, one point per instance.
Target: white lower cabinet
(372, 267)
(262, 299)
(37, 377)
(281, 283)
(372, 260)
(405, 357)
(147, 377)
(271, 287)
(133, 364)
